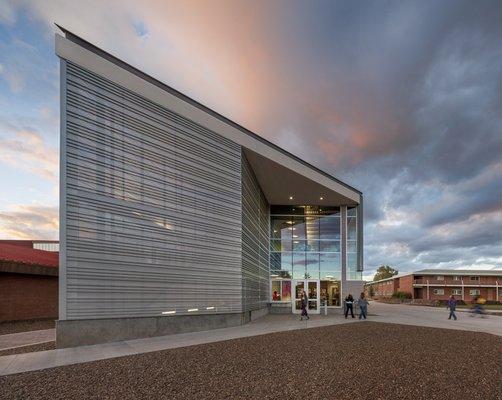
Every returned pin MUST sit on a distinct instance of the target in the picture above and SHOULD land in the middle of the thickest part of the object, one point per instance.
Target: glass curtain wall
(305, 242)
(352, 273)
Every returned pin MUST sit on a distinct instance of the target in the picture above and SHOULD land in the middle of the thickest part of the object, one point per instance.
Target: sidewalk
(20, 339)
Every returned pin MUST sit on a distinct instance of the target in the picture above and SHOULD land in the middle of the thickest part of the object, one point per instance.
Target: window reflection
(305, 237)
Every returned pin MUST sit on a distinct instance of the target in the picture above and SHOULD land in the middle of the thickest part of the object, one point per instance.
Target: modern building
(440, 284)
(174, 218)
(28, 281)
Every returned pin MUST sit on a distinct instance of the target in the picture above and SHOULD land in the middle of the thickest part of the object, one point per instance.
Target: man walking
(363, 306)
(452, 305)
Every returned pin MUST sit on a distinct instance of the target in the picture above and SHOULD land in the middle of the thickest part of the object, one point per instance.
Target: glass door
(313, 294)
(298, 288)
(311, 287)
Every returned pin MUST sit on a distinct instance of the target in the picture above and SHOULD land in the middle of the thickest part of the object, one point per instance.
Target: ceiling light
(321, 198)
(209, 308)
(289, 222)
(295, 236)
(274, 276)
(192, 309)
(329, 276)
(168, 312)
(290, 197)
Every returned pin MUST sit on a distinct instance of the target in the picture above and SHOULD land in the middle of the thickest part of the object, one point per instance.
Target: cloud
(7, 12)
(28, 151)
(401, 100)
(30, 222)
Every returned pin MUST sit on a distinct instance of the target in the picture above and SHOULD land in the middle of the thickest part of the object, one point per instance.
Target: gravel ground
(29, 349)
(366, 360)
(25, 326)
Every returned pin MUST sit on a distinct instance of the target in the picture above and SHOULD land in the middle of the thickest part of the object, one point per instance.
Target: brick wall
(24, 296)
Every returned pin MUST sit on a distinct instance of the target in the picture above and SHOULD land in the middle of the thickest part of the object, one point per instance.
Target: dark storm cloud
(407, 108)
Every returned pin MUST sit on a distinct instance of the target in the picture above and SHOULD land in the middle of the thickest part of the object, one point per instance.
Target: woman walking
(305, 304)
(363, 306)
(349, 305)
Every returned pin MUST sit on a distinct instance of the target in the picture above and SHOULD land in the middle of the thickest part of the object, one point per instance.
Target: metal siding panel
(153, 207)
(255, 243)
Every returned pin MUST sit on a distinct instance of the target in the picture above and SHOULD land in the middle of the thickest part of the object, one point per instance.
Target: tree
(383, 272)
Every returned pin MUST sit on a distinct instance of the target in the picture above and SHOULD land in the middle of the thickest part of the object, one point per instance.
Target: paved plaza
(379, 312)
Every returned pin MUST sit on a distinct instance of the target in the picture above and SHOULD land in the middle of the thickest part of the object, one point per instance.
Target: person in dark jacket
(305, 304)
(349, 305)
(452, 305)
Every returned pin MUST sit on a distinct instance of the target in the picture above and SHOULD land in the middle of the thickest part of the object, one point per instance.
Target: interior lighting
(192, 309)
(168, 312)
(321, 198)
(209, 308)
(295, 236)
(290, 197)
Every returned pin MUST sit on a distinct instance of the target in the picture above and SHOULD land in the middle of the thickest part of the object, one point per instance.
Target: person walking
(452, 305)
(305, 304)
(349, 305)
(363, 306)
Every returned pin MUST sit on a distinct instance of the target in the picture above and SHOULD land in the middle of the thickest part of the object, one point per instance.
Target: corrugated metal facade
(153, 209)
(255, 241)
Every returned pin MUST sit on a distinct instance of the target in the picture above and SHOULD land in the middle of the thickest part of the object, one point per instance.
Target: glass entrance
(311, 287)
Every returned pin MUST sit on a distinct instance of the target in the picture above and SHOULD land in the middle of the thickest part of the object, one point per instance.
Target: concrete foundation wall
(72, 333)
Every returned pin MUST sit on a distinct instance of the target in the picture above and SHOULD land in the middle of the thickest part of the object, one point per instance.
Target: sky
(400, 99)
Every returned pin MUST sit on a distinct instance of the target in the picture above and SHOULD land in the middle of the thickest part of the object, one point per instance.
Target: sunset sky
(402, 100)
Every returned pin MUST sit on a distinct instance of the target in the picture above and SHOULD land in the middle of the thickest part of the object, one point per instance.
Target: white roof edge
(470, 272)
(73, 52)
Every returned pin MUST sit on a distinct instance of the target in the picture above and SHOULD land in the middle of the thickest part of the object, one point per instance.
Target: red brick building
(440, 284)
(28, 280)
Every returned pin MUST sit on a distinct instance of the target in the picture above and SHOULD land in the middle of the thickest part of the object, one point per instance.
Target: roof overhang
(279, 183)
(280, 173)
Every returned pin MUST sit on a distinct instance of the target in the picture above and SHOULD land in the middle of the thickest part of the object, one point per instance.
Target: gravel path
(26, 326)
(29, 349)
(366, 360)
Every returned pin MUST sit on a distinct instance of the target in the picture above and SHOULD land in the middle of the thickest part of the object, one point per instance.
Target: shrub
(401, 295)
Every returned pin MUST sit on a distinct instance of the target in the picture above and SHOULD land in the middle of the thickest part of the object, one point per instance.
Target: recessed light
(290, 197)
(289, 222)
(168, 312)
(321, 198)
(209, 308)
(295, 236)
(192, 309)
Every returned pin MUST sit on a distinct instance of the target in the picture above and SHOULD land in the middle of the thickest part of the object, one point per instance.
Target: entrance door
(311, 287)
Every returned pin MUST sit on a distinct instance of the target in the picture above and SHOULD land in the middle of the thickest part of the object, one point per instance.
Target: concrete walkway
(20, 339)
(379, 312)
(435, 317)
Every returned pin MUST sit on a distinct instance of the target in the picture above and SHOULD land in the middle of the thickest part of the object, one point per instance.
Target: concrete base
(72, 333)
(280, 308)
